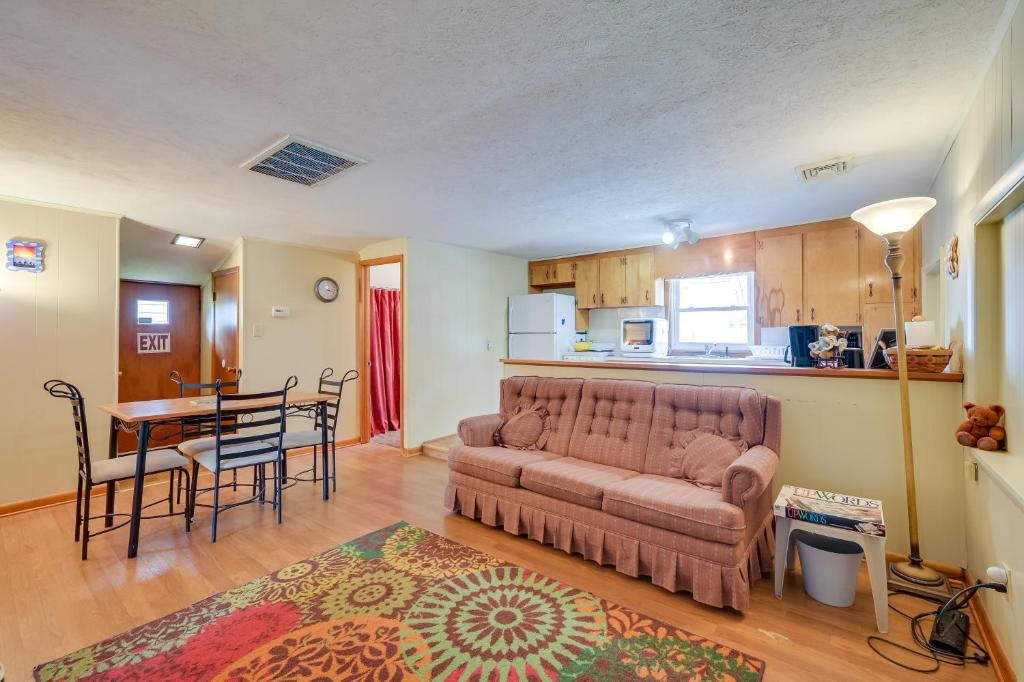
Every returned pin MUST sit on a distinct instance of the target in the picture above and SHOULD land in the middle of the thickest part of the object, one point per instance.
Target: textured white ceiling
(532, 128)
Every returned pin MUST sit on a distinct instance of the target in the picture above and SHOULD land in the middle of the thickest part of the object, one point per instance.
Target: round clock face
(326, 289)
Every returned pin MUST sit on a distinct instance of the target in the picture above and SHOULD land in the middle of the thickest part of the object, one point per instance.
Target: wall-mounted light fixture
(679, 231)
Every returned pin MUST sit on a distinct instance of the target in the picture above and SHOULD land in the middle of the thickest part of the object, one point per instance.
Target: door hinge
(215, 296)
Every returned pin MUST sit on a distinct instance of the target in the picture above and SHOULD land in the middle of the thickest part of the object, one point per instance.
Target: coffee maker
(800, 337)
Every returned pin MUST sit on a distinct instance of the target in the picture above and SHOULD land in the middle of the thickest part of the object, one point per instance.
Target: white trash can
(830, 567)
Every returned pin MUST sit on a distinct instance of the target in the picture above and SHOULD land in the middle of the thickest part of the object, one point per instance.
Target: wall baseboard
(999, 660)
(412, 452)
(22, 506)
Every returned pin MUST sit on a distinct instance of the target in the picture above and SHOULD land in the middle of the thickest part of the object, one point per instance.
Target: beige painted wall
(989, 324)
(845, 435)
(60, 323)
(315, 336)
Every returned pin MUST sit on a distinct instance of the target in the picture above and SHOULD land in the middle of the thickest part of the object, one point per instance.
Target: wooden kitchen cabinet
(540, 274)
(779, 280)
(564, 273)
(612, 282)
(832, 276)
(640, 289)
(877, 280)
(878, 316)
(588, 285)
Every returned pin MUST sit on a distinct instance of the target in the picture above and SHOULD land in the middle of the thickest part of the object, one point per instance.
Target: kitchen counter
(712, 368)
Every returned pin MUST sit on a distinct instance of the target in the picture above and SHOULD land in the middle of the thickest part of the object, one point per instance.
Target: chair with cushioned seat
(244, 436)
(314, 437)
(111, 470)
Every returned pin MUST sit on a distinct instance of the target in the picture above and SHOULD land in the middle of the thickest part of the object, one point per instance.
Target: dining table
(142, 415)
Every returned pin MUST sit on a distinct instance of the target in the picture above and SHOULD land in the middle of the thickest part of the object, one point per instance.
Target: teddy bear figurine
(982, 429)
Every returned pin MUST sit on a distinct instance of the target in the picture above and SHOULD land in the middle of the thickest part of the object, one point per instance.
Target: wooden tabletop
(173, 408)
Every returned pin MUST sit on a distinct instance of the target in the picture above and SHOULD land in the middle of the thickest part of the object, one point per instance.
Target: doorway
(159, 332)
(381, 351)
(224, 361)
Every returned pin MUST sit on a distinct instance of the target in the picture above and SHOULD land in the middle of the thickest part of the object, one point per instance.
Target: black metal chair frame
(59, 388)
(199, 427)
(325, 385)
(229, 422)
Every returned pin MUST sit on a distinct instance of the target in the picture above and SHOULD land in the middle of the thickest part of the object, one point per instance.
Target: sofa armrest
(479, 431)
(749, 476)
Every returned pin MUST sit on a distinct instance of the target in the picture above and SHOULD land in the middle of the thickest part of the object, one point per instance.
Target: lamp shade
(894, 216)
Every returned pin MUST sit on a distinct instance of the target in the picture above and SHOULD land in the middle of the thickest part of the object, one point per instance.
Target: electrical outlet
(971, 470)
(1009, 581)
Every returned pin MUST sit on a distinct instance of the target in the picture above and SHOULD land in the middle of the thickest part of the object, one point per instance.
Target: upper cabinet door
(780, 280)
(832, 276)
(612, 282)
(877, 280)
(540, 274)
(588, 289)
(639, 272)
(564, 273)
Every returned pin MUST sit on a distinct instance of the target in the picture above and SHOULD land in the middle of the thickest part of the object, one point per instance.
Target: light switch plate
(280, 311)
(257, 330)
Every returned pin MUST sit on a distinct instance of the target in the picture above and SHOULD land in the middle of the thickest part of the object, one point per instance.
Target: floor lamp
(892, 220)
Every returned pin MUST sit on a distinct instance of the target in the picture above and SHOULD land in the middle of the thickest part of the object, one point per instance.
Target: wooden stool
(874, 552)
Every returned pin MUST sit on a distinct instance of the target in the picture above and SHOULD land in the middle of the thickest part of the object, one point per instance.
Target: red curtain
(385, 359)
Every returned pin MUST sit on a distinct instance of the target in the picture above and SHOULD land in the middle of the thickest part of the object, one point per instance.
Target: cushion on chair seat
(301, 439)
(676, 505)
(208, 458)
(573, 480)
(118, 468)
(196, 445)
(494, 464)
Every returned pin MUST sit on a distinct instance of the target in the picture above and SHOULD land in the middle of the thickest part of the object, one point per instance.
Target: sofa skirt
(710, 582)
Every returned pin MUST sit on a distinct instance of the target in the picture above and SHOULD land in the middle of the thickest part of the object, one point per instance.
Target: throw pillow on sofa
(527, 428)
(704, 458)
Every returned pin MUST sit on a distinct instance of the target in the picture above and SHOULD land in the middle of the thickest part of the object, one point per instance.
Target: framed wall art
(24, 256)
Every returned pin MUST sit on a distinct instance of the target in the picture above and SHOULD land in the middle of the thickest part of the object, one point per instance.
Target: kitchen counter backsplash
(605, 322)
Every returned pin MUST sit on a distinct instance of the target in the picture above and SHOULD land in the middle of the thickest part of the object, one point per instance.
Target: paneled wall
(59, 323)
(983, 309)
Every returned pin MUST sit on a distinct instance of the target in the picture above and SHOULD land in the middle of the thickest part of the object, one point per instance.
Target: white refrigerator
(541, 326)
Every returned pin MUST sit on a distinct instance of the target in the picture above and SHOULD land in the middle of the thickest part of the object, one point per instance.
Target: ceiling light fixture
(185, 240)
(679, 231)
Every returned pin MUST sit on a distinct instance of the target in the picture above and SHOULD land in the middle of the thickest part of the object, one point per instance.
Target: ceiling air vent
(825, 169)
(301, 161)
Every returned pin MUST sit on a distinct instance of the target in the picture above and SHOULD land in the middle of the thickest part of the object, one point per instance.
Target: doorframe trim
(362, 352)
(213, 312)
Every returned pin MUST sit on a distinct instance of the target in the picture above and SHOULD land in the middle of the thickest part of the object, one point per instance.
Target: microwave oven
(644, 336)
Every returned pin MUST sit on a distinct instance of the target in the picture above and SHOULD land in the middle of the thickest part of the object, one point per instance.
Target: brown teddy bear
(982, 430)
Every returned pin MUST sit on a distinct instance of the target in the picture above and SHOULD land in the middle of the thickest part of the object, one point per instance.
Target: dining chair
(109, 471)
(314, 437)
(197, 433)
(244, 436)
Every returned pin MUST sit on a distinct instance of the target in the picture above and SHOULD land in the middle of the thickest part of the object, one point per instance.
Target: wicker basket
(920, 359)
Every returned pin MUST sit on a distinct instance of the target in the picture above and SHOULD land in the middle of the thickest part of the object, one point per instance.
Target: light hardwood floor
(52, 603)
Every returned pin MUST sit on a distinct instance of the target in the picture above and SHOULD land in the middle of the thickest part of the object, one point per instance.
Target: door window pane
(152, 312)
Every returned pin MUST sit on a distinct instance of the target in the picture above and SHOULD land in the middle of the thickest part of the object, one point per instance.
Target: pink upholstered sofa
(600, 488)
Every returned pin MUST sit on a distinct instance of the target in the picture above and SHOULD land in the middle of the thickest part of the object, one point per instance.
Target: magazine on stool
(849, 512)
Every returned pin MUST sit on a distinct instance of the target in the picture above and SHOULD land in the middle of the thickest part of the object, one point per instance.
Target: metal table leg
(111, 453)
(140, 476)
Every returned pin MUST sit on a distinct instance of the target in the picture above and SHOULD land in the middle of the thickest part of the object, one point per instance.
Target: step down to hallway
(439, 447)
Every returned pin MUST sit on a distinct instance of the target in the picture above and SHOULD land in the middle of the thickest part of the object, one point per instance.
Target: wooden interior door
(224, 345)
(780, 280)
(832, 276)
(149, 351)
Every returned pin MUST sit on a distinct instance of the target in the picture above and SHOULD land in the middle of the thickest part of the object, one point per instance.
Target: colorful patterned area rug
(405, 604)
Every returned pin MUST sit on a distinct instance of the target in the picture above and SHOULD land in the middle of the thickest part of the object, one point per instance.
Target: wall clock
(326, 289)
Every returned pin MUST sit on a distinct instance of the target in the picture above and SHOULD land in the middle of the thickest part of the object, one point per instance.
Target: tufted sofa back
(613, 423)
(735, 413)
(561, 397)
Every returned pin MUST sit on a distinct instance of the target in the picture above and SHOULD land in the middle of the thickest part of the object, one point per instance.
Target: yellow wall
(989, 323)
(845, 435)
(60, 323)
(315, 336)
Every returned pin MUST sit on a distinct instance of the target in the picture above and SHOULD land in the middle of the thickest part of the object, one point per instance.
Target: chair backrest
(238, 423)
(334, 387)
(59, 388)
(197, 427)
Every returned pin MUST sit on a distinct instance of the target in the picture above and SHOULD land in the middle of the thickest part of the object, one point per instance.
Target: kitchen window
(713, 310)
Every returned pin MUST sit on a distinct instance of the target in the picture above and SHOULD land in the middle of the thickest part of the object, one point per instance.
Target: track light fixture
(679, 231)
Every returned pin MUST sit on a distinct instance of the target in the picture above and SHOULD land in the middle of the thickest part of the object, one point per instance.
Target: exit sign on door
(154, 343)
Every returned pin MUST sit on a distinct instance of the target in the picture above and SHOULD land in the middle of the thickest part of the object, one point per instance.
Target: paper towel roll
(921, 333)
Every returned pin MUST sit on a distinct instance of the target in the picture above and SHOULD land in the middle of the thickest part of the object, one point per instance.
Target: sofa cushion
(704, 459)
(732, 412)
(495, 464)
(528, 428)
(561, 398)
(573, 480)
(614, 422)
(675, 505)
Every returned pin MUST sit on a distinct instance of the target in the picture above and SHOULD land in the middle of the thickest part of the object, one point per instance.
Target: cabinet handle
(871, 289)
(797, 314)
(812, 314)
(647, 294)
(913, 293)
(595, 299)
(602, 299)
